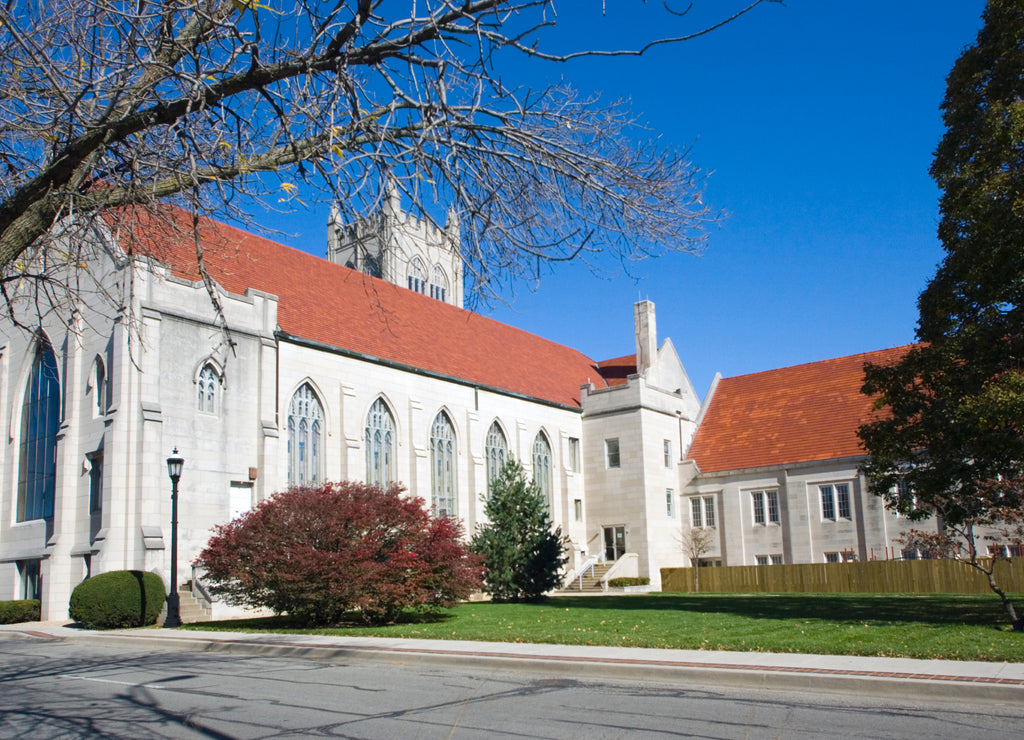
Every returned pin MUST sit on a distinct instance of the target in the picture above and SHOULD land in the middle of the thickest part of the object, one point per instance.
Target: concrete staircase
(189, 609)
(591, 581)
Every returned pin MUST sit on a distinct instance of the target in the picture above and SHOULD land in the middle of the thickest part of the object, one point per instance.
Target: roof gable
(326, 303)
(791, 415)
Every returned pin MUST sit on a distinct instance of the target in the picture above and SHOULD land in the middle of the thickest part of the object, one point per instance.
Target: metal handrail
(199, 590)
(577, 575)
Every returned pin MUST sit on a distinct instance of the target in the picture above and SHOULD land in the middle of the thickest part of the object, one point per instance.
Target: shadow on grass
(284, 622)
(839, 608)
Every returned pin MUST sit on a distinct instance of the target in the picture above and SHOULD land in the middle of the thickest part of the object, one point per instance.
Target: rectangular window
(828, 508)
(843, 498)
(670, 502)
(702, 511)
(776, 559)
(709, 510)
(668, 453)
(611, 453)
(31, 579)
(766, 506)
(833, 557)
(696, 512)
(574, 454)
(761, 559)
(577, 507)
(835, 498)
(911, 554)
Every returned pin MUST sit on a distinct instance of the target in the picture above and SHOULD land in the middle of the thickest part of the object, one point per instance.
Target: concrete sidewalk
(891, 677)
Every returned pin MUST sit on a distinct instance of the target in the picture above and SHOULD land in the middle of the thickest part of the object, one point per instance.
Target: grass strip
(948, 626)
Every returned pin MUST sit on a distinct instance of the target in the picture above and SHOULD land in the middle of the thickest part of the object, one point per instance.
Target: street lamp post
(174, 465)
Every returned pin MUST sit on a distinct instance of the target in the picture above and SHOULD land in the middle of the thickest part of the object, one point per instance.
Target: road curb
(694, 674)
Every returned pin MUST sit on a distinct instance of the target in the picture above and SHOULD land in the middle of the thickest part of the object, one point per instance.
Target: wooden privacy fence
(880, 576)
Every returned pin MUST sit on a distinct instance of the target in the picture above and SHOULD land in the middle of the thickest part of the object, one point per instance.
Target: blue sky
(818, 121)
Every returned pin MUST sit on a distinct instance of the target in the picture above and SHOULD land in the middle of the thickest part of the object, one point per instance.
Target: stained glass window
(380, 445)
(305, 434)
(442, 465)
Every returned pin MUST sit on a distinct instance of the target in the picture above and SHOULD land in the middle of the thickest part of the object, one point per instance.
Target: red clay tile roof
(617, 370)
(342, 308)
(795, 414)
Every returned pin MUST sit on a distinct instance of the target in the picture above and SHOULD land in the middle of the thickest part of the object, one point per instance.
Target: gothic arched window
(40, 419)
(496, 452)
(542, 466)
(380, 445)
(305, 438)
(417, 276)
(442, 466)
(208, 390)
(438, 284)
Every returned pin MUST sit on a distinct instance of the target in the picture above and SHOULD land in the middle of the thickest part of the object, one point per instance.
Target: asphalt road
(55, 689)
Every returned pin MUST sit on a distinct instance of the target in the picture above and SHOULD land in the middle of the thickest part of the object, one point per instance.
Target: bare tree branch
(106, 103)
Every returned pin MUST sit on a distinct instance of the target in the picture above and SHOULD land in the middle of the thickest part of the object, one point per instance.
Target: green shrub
(12, 612)
(623, 582)
(120, 598)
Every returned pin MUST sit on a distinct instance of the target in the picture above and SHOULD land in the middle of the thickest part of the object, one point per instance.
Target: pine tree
(953, 444)
(523, 555)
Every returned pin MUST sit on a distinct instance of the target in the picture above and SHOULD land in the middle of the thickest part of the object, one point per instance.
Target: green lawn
(960, 627)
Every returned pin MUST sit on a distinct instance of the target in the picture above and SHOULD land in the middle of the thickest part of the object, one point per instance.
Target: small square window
(611, 451)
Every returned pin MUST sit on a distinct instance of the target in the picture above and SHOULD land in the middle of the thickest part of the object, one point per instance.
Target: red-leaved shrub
(317, 553)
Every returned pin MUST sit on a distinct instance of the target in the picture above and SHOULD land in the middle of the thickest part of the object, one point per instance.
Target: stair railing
(579, 573)
(199, 591)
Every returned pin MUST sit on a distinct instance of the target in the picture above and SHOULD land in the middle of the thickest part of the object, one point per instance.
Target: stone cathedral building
(365, 366)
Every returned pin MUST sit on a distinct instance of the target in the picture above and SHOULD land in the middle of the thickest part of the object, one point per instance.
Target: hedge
(624, 582)
(25, 610)
(120, 598)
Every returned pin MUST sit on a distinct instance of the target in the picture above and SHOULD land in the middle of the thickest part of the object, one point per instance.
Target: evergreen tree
(522, 554)
(953, 444)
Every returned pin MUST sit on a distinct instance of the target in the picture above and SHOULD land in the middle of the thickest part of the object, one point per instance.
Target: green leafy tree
(523, 555)
(951, 442)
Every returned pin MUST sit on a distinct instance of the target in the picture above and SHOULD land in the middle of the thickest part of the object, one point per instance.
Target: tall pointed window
(305, 438)
(542, 467)
(417, 276)
(442, 466)
(208, 390)
(438, 284)
(496, 452)
(98, 381)
(380, 445)
(40, 419)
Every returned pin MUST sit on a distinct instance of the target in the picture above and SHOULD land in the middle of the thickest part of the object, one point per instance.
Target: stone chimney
(646, 335)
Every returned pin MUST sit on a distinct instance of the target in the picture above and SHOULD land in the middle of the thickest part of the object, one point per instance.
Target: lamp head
(174, 465)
